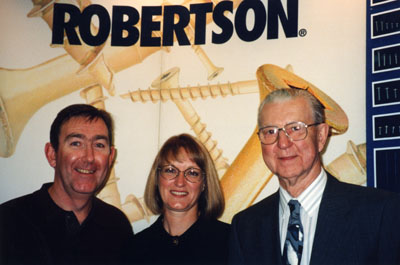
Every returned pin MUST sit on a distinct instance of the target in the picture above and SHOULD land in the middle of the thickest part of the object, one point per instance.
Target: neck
(176, 223)
(297, 185)
(79, 206)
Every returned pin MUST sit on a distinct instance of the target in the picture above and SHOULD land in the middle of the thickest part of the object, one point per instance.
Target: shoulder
(260, 209)
(221, 225)
(20, 222)
(358, 193)
(216, 224)
(16, 203)
(212, 236)
(141, 247)
(104, 208)
(21, 206)
(151, 232)
(14, 213)
(362, 201)
(214, 227)
(217, 230)
(148, 239)
(110, 215)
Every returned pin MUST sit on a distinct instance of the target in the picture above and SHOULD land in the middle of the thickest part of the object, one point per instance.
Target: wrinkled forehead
(283, 111)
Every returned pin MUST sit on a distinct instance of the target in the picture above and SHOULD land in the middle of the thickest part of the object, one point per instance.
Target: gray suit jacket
(356, 225)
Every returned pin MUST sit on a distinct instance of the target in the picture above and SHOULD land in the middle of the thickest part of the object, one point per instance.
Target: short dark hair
(211, 201)
(79, 110)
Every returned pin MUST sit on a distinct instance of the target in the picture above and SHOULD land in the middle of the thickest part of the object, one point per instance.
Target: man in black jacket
(63, 222)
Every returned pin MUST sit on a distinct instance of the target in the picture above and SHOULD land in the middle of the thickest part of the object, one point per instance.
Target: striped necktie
(294, 237)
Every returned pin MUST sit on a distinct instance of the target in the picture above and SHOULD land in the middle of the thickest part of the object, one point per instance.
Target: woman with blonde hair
(183, 187)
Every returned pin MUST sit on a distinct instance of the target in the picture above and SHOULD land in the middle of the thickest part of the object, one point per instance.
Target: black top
(205, 242)
(34, 230)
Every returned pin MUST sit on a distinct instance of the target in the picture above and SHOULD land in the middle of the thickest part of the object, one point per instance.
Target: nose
(284, 141)
(180, 180)
(89, 153)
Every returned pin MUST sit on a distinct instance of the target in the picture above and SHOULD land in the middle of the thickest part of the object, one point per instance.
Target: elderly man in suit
(313, 218)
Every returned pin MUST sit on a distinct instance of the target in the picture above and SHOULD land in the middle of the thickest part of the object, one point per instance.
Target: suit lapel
(276, 254)
(330, 231)
(272, 254)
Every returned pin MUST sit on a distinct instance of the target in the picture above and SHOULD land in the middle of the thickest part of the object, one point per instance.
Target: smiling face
(293, 161)
(179, 195)
(83, 159)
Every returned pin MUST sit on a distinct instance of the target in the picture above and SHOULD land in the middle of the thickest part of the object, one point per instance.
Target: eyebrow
(81, 136)
(264, 126)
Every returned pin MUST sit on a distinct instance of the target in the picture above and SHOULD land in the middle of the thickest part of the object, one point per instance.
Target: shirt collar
(53, 211)
(310, 198)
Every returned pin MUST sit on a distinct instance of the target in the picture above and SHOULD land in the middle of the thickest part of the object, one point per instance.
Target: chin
(288, 174)
(86, 189)
(180, 208)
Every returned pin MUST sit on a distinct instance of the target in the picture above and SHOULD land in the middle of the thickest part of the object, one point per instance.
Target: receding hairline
(286, 99)
(284, 95)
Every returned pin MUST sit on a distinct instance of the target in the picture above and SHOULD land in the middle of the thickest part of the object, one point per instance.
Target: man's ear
(323, 132)
(50, 154)
(113, 153)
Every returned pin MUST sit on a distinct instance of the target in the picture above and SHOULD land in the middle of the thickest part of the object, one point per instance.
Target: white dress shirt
(310, 200)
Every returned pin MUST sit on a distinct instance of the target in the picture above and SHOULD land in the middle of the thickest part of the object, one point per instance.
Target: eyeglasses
(191, 174)
(296, 131)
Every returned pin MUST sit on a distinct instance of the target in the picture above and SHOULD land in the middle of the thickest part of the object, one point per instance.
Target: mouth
(179, 193)
(287, 158)
(84, 171)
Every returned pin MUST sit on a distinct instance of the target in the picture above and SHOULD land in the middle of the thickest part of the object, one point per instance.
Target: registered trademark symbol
(302, 32)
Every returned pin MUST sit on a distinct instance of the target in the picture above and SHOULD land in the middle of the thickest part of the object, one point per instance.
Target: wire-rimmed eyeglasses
(192, 174)
(296, 131)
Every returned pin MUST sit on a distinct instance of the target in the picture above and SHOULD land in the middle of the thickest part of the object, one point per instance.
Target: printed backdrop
(38, 79)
